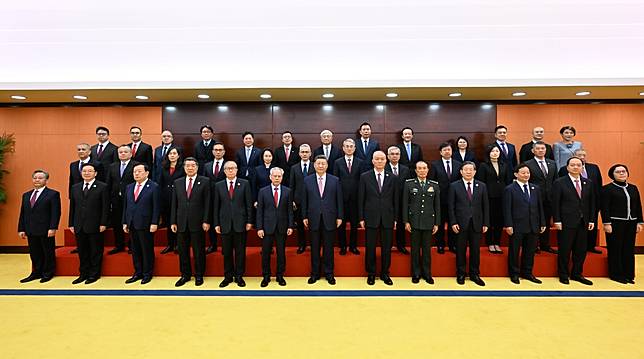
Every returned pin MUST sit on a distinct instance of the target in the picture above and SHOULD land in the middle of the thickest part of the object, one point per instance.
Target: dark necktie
(163, 152)
(525, 192)
(216, 173)
(189, 190)
(86, 189)
(469, 191)
(505, 149)
(449, 170)
(32, 200)
(366, 144)
(349, 165)
(100, 150)
(578, 188)
(543, 168)
(379, 183)
(133, 150)
(305, 171)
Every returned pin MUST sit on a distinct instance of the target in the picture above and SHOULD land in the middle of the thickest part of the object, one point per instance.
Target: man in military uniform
(421, 213)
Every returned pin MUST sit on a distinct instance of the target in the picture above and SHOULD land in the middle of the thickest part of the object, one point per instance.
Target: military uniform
(421, 208)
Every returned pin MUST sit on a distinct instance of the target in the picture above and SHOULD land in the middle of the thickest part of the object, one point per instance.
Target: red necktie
(189, 190)
(349, 165)
(32, 201)
(275, 197)
(216, 172)
(100, 150)
(231, 190)
(137, 190)
(287, 152)
(578, 188)
(469, 191)
(133, 149)
(449, 170)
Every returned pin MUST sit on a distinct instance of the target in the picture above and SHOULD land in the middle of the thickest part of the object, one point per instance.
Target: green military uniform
(421, 208)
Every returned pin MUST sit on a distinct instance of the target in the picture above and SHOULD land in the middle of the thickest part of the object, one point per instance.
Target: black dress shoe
(198, 281)
(532, 279)
(630, 281)
(415, 280)
(241, 282)
(354, 250)
(343, 251)
(91, 280)
(514, 279)
(181, 281)
(595, 250)
(441, 250)
(300, 250)
(211, 249)
(133, 279)
(582, 280)
(564, 281)
(429, 280)
(281, 281)
(460, 279)
(166, 250)
(79, 280)
(537, 251)
(452, 249)
(619, 280)
(312, 279)
(403, 250)
(146, 280)
(30, 278)
(330, 280)
(549, 250)
(476, 279)
(115, 250)
(371, 280)
(225, 282)
(387, 280)
(264, 282)
(74, 251)
(45, 279)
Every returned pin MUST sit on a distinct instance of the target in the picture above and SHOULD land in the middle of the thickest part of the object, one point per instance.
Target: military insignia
(414, 190)
(430, 189)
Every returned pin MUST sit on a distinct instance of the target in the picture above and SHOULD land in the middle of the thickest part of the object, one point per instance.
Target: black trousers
(267, 246)
(233, 246)
(299, 225)
(621, 249)
(400, 235)
(165, 223)
(591, 239)
(493, 234)
(527, 244)
(572, 240)
(116, 216)
(544, 238)
(421, 255)
(468, 236)
(143, 252)
(325, 239)
(440, 235)
(90, 254)
(212, 234)
(195, 240)
(42, 251)
(371, 239)
(351, 216)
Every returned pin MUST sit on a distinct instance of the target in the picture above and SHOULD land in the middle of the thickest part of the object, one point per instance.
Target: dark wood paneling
(341, 117)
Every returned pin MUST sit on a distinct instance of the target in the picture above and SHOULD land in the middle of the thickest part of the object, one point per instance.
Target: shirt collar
(143, 183)
(90, 182)
(573, 179)
(470, 181)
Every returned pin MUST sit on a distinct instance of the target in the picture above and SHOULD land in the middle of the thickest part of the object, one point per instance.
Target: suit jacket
(75, 175)
(524, 215)
(329, 207)
(438, 174)
(232, 215)
(544, 182)
(273, 219)
(615, 204)
(245, 167)
(117, 184)
(416, 155)
(158, 160)
(404, 173)
(143, 154)
(461, 210)
(210, 173)
(469, 156)
(145, 211)
(495, 183)
(525, 153)
(88, 212)
(378, 208)
(421, 207)
(44, 216)
(204, 154)
(366, 157)
(595, 176)
(279, 160)
(333, 156)
(511, 158)
(107, 157)
(259, 178)
(567, 207)
(348, 181)
(190, 213)
(297, 181)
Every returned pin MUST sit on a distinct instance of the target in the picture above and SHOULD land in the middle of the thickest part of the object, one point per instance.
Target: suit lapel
(43, 194)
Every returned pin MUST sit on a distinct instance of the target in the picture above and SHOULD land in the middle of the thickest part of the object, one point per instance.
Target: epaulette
(432, 181)
(410, 180)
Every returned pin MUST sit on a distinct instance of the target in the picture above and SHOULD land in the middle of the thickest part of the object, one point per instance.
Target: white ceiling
(335, 43)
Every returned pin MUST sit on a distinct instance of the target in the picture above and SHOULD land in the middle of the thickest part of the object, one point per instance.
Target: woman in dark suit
(621, 209)
(260, 175)
(462, 152)
(171, 169)
(496, 175)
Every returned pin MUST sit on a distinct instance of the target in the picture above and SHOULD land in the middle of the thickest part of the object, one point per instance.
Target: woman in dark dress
(496, 175)
(621, 209)
(171, 169)
(260, 175)
(462, 152)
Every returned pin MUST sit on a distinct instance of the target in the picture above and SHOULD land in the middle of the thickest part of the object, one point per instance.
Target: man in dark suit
(233, 217)
(366, 146)
(89, 209)
(543, 172)
(203, 148)
(38, 223)
(347, 169)
(190, 218)
(410, 152)
(286, 156)
(141, 212)
(104, 152)
(508, 151)
(247, 157)
(378, 201)
(469, 216)
(327, 149)
(274, 222)
(322, 211)
(214, 170)
(167, 143)
(402, 174)
(141, 151)
(118, 177)
(421, 215)
(445, 171)
(525, 153)
(83, 150)
(523, 220)
(298, 173)
(573, 199)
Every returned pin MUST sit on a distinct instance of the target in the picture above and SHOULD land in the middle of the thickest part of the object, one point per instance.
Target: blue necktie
(305, 171)
(409, 151)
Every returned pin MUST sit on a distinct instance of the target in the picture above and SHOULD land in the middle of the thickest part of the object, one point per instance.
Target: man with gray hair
(332, 153)
(296, 180)
(525, 153)
(347, 169)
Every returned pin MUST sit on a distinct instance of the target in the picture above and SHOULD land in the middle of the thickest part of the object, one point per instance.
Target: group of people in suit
(295, 189)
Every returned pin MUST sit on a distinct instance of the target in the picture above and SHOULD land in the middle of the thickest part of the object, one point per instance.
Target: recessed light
(455, 94)
(170, 108)
(583, 93)
(265, 96)
(222, 108)
(328, 95)
(518, 94)
(392, 95)
(18, 97)
(327, 107)
(141, 97)
(203, 96)
(380, 107)
(80, 97)
(434, 106)
(276, 108)
(642, 93)
(487, 106)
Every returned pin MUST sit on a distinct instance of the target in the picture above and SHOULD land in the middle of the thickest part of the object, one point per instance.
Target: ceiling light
(487, 106)
(265, 96)
(380, 107)
(434, 106)
(455, 94)
(327, 107)
(80, 97)
(203, 96)
(328, 95)
(518, 94)
(141, 97)
(583, 93)
(170, 108)
(18, 97)
(642, 93)
(392, 95)
(276, 108)
(222, 108)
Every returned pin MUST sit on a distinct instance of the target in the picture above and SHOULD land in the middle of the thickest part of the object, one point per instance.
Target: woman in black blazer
(260, 175)
(462, 152)
(496, 175)
(171, 169)
(621, 209)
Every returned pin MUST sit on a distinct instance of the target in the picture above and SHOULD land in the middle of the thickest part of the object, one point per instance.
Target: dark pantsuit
(234, 265)
(527, 244)
(572, 240)
(43, 255)
(142, 252)
(197, 242)
(371, 237)
(467, 236)
(493, 235)
(267, 246)
(621, 246)
(90, 254)
(544, 238)
(421, 256)
(351, 215)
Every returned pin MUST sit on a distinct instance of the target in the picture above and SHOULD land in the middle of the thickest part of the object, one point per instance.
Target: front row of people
(230, 200)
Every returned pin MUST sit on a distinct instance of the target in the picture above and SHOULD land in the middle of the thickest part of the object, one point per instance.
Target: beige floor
(317, 327)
